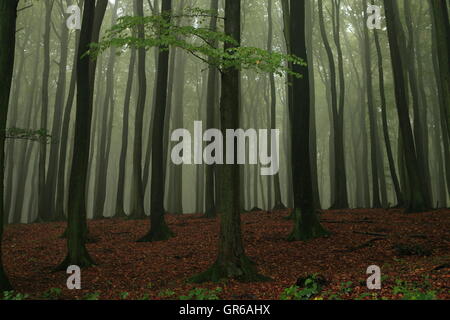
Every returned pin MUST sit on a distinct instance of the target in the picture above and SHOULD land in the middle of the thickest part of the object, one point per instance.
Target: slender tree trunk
(341, 187)
(341, 198)
(416, 197)
(148, 153)
(44, 209)
(159, 229)
(51, 179)
(16, 90)
(76, 235)
(24, 152)
(313, 137)
(376, 203)
(64, 162)
(273, 111)
(120, 198)
(211, 107)
(104, 128)
(387, 141)
(138, 194)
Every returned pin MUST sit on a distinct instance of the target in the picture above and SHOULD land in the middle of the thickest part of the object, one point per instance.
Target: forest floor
(414, 248)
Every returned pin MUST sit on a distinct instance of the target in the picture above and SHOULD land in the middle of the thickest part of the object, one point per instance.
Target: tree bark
(159, 229)
(306, 225)
(341, 197)
(76, 235)
(44, 214)
(8, 15)
(120, 199)
(416, 197)
(367, 67)
(231, 260)
(53, 163)
(387, 141)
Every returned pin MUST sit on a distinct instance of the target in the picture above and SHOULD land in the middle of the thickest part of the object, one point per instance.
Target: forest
(224, 150)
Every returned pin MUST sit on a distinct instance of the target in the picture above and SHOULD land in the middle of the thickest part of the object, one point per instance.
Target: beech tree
(416, 196)
(306, 224)
(76, 225)
(8, 16)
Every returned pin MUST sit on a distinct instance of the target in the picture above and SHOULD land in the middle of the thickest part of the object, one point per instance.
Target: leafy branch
(196, 40)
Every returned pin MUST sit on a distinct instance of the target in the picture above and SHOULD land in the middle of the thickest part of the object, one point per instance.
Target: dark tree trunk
(387, 141)
(416, 196)
(341, 197)
(8, 15)
(159, 229)
(138, 191)
(307, 225)
(376, 203)
(231, 260)
(64, 164)
(148, 152)
(439, 51)
(76, 235)
(442, 37)
(104, 127)
(313, 135)
(120, 210)
(419, 112)
(273, 111)
(44, 208)
(175, 176)
(53, 163)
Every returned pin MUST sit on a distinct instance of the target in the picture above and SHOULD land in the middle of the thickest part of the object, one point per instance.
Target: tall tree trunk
(341, 198)
(159, 229)
(120, 198)
(231, 260)
(306, 225)
(341, 187)
(211, 107)
(16, 90)
(287, 118)
(376, 203)
(439, 49)
(273, 111)
(64, 164)
(51, 179)
(104, 128)
(138, 194)
(148, 152)
(8, 15)
(313, 136)
(387, 141)
(416, 197)
(76, 235)
(24, 152)
(44, 209)
(419, 111)
(176, 171)
(442, 37)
